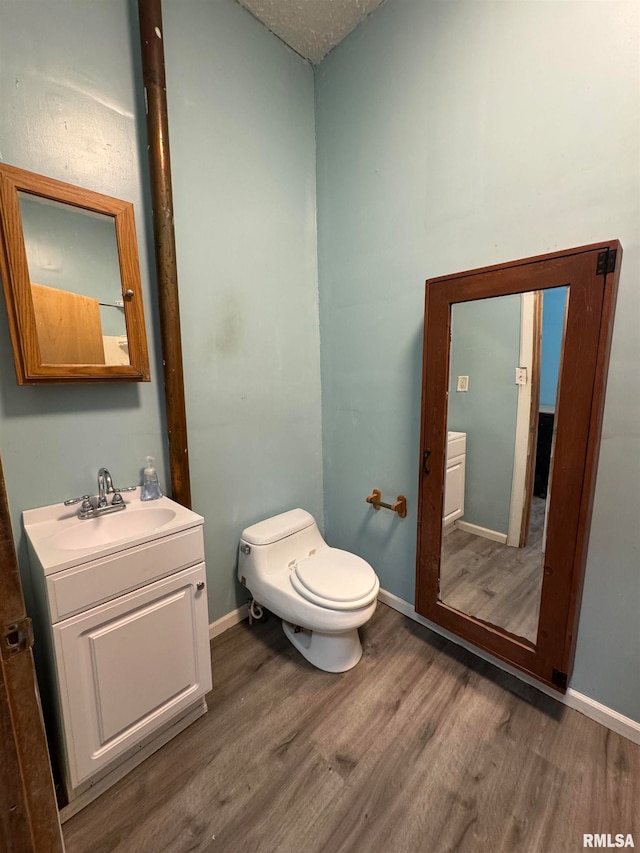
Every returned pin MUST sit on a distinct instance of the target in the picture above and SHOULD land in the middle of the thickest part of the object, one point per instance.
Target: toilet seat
(335, 579)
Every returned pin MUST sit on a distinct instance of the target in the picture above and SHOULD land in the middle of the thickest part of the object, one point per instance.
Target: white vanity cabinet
(128, 640)
(127, 666)
(454, 477)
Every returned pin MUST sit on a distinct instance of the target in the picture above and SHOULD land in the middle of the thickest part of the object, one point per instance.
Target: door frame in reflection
(526, 419)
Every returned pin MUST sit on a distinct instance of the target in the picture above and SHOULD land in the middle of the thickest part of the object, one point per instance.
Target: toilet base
(330, 652)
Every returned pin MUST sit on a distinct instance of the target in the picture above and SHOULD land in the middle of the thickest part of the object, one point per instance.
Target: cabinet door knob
(425, 456)
(200, 586)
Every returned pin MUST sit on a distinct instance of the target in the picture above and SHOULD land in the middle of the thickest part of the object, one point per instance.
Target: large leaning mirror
(513, 389)
(71, 279)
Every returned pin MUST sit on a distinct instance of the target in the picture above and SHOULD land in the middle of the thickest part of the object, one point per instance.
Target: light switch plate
(521, 375)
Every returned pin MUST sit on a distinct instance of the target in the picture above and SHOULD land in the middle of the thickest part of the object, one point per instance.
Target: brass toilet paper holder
(399, 506)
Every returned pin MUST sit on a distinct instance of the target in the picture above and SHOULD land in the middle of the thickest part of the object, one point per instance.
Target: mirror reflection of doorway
(505, 357)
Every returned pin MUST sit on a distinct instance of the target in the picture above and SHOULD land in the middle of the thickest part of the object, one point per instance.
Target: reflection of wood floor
(494, 582)
(421, 748)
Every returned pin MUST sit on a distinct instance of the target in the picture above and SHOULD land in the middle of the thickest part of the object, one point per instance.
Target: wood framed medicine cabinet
(71, 279)
(463, 569)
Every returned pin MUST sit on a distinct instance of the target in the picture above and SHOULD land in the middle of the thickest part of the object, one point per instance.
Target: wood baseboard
(624, 726)
(228, 621)
(618, 723)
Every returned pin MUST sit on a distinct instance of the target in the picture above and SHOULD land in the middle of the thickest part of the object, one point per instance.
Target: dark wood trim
(153, 69)
(578, 420)
(28, 810)
(592, 454)
(523, 262)
(15, 830)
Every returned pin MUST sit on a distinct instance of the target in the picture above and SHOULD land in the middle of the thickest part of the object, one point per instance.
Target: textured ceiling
(311, 27)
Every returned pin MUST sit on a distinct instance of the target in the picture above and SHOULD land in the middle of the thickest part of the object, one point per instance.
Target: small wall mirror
(71, 279)
(514, 376)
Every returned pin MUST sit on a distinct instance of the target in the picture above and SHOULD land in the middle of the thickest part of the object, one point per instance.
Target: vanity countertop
(61, 540)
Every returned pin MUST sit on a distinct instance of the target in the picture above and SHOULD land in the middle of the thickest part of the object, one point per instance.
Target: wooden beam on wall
(153, 69)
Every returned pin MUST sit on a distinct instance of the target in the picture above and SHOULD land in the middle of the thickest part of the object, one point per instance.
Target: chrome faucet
(105, 486)
(93, 507)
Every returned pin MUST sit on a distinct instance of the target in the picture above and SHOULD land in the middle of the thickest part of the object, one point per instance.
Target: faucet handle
(86, 502)
(117, 497)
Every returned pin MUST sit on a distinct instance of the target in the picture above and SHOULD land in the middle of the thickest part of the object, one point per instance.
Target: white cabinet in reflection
(454, 477)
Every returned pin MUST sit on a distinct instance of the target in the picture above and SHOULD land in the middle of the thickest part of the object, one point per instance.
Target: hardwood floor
(421, 747)
(494, 582)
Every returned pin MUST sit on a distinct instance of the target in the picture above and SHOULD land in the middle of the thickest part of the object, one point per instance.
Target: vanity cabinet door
(454, 490)
(127, 667)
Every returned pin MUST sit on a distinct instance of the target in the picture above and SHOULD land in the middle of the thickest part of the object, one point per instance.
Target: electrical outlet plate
(463, 383)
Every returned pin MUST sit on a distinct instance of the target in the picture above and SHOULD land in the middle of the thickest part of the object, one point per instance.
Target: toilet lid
(339, 578)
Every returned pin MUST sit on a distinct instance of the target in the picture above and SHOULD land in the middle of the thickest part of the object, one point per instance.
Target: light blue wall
(241, 122)
(553, 310)
(452, 136)
(72, 109)
(485, 346)
(242, 127)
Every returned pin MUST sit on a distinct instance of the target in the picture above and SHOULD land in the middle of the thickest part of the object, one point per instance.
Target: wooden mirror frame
(16, 281)
(592, 275)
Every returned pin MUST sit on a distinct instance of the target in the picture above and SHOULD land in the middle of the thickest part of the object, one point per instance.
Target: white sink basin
(61, 540)
(97, 532)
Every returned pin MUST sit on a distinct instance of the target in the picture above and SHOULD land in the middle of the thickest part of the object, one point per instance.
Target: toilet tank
(279, 527)
(277, 542)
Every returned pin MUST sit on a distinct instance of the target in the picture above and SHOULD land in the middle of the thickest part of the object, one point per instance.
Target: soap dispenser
(150, 485)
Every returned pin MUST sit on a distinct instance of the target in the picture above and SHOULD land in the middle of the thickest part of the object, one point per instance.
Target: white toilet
(322, 594)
